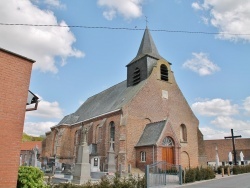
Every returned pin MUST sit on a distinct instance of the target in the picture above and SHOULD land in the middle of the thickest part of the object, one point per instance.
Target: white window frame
(143, 156)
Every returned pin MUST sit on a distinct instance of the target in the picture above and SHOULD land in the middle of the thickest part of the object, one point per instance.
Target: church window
(168, 141)
(136, 76)
(77, 137)
(143, 156)
(99, 133)
(112, 131)
(76, 143)
(164, 72)
(183, 133)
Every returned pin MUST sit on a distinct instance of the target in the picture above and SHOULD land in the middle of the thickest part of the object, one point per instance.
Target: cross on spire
(146, 20)
(233, 137)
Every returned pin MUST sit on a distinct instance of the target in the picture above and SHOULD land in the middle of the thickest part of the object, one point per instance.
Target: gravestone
(34, 157)
(230, 158)
(95, 164)
(111, 158)
(217, 161)
(81, 172)
(242, 158)
(21, 159)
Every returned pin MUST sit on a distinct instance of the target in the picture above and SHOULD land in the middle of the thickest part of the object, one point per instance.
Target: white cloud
(109, 15)
(129, 9)
(38, 128)
(227, 122)
(215, 107)
(54, 3)
(210, 133)
(201, 64)
(229, 16)
(43, 44)
(47, 110)
(196, 6)
(246, 105)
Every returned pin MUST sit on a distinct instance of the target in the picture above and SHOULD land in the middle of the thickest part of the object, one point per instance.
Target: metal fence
(161, 173)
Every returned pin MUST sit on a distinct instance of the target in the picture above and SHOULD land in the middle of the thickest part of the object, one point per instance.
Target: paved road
(237, 181)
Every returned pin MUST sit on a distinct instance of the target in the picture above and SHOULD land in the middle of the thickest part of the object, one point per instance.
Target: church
(146, 118)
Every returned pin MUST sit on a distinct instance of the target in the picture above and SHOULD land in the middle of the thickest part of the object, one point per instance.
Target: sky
(207, 42)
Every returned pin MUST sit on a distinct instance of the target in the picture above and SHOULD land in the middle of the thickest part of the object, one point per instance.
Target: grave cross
(233, 137)
(84, 135)
(111, 145)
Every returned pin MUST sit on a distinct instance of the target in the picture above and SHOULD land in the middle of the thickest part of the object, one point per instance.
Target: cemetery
(86, 172)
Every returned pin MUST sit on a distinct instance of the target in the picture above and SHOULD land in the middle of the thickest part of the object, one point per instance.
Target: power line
(123, 28)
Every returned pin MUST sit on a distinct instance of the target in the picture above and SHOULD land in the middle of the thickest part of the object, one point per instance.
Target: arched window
(164, 72)
(143, 156)
(99, 133)
(77, 137)
(77, 141)
(168, 141)
(136, 76)
(183, 133)
(112, 131)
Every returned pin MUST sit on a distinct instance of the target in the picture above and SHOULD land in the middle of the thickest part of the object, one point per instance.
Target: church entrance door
(168, 150)
(168, 154)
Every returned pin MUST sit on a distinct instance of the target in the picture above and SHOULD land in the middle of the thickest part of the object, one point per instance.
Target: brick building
(15, 74)
(224, 146)
(27, 151)
(146, 115)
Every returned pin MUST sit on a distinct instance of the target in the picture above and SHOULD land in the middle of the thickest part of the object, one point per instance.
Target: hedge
(197, 174)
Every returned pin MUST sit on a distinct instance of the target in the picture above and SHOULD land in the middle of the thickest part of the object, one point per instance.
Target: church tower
(142, 65)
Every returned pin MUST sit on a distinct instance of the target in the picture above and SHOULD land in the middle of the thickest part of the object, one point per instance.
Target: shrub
(197, 174)
(115, 182)
(30, 177)
(219, 169)
(241, 169)
(190, 175)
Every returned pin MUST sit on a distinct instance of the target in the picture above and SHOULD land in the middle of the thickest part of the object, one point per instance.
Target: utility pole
(233, 137)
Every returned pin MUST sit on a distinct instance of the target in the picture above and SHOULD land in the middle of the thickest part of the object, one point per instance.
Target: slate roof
(147, 47)
(115, 97)
(151, 134)
(111, 99)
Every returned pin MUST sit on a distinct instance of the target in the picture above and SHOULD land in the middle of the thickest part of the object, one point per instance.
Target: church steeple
(147, 47)
(141, 66)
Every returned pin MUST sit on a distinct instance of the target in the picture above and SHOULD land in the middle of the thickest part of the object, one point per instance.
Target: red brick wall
(149, 156)
(14, 82)
(148, 104)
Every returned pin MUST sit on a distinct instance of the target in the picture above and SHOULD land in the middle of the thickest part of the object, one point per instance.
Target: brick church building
(146, 115)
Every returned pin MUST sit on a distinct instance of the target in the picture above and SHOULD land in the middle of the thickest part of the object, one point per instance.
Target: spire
(147, 47)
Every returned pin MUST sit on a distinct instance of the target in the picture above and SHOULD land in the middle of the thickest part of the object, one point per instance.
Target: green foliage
(114, 182)
(26, 138)
(30, 177)
(219, 169)
(197, 174)
(190, 175)
(241, 169)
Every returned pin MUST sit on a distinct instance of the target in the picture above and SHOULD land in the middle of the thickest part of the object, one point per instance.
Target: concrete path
(232, 181)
